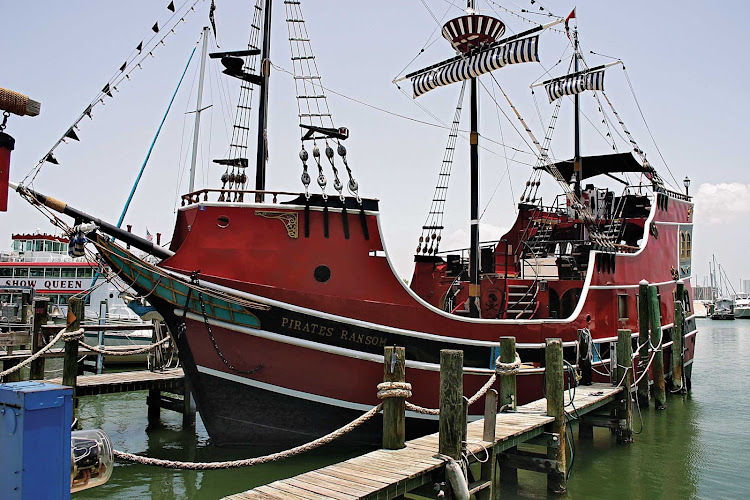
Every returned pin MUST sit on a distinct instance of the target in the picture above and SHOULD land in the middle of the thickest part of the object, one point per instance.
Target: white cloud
(722, 203)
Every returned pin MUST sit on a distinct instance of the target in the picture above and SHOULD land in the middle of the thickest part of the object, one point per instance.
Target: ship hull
(274, 365)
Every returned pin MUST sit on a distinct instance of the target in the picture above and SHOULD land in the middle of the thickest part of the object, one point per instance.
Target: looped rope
(140, 350)
(505, 369)
(41, 351)
(73, 336)
(172, 464)
(394, 390)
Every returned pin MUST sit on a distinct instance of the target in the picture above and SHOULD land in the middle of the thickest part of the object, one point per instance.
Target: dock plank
(108, 383)
(385, 474)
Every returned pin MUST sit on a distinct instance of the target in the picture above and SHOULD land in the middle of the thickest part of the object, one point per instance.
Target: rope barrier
(61, 335)
(124, 353)
(248, 462)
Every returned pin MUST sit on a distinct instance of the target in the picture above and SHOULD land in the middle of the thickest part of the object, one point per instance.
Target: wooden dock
(171, 380)
(385, 474)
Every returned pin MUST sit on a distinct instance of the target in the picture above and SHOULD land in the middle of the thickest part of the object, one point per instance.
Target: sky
(685, 61)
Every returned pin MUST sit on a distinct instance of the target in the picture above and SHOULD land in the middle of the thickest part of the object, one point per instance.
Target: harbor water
(697, 448)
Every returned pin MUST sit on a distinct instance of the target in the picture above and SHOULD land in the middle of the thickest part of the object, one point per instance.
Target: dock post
(70, 362)
(488, 466)
(451, 403)
(37, 339)
(153, 402)
(394, 409)
(643, 340)
(508, 475)
(677, 338)
(625, 376)
(188, 408)
(555, 387)
(584, 357)
(657, 367)
(103, 313)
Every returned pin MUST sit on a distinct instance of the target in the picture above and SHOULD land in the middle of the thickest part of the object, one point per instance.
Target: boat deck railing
(233, 195)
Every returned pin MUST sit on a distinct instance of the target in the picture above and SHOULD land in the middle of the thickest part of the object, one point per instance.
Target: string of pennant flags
(162, 28)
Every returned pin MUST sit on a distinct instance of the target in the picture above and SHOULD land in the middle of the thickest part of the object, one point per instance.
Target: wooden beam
(451, 402)
(643, 339)
(625, 376)
(555, 386)
(657, 367)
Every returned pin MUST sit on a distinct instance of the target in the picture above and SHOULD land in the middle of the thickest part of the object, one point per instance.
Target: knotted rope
(61, 335)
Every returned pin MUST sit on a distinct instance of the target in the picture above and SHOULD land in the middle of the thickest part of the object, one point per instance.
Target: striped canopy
(570, 85)
(519, 51)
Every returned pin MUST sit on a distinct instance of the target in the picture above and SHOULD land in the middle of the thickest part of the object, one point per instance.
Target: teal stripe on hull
(175, 292)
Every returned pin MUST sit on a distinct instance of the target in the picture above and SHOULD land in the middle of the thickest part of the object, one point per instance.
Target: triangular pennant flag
(87, 112)
(107, 91)
(71, 134)
(155, 27)
(51, 159)
(171, 6)
(140, 47)
(122, 68)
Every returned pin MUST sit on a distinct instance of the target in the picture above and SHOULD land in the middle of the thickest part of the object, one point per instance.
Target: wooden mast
(474, 311)
(265, 72)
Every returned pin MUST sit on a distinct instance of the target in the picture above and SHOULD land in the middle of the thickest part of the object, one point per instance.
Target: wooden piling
(508, 475)
(677, 340)
(37, 337)
(451, 403)
(70, 363)
(584, 358)
(555, 389)
(657, 367)
(188, 407)
(487, 470)
(625, 377)
(394, 409)
(643, 339)
(153, 404)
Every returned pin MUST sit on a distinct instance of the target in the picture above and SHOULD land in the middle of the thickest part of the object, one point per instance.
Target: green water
(697, 448)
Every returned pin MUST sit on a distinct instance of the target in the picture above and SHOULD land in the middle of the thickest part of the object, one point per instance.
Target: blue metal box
(35, 419)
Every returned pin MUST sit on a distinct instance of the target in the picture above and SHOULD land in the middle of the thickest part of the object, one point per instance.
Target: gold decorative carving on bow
(290, 220)
(690, 213)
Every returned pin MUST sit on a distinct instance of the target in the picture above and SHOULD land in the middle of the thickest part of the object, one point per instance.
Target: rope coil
(394, 390)
(505, 369)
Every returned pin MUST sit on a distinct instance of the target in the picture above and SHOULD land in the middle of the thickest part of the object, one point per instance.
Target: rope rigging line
(432, 229)
(235, 175)
(134, 61)
(313, 109)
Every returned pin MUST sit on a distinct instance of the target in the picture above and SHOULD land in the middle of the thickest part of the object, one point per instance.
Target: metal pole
(265, 71)
(474, 290)
(577, 126)
(198, 109)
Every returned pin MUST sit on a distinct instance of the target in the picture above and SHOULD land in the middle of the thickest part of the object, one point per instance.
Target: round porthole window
(322, 274)
(223, 221)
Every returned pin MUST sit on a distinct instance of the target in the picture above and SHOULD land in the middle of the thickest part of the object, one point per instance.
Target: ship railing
(233, 195)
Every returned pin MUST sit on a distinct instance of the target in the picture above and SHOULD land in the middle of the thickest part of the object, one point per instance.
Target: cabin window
(688, 245)
(56, 246)
(322, 274)
(39, 245)
(223, 221)
(68, 272)
(622, 307)
(37, 272)
(52, 272)
(47, 246)
(4, 298)
(18, 245)
(85, 272)
(6, 272)
(29, 245)
(21, 272)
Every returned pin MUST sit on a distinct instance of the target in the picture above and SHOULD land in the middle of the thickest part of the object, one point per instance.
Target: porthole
(322, 274)
(223, 222)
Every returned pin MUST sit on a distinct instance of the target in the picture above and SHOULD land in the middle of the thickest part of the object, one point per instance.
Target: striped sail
(574, 85)
(519, 51)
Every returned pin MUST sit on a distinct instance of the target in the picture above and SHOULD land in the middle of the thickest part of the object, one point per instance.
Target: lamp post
(686, 183)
